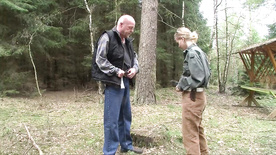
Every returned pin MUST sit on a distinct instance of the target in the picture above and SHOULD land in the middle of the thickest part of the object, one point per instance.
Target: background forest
(49, 43)
(53, 38)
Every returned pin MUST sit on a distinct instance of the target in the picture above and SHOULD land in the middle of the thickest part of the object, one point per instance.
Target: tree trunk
(183, 13)
(32, 60)
(222, 87)
(213, 32)
(90, 26)
(146, 79)
(217, 44)
(223, 77)
(228, 52)
(90, 10)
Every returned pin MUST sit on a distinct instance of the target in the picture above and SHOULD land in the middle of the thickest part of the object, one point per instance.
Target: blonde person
(192, 83)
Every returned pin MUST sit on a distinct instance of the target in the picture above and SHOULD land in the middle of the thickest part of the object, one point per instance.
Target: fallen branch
(34, 144)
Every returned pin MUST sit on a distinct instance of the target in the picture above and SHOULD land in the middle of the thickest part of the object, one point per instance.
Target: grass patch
(72, 123)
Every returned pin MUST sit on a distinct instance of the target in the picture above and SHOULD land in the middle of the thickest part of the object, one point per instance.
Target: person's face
(127, 28)
(182, 43)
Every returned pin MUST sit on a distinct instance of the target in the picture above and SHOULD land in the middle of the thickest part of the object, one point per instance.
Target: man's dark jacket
(115, 56)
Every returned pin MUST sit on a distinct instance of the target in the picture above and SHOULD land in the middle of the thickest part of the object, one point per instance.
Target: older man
(115, 65)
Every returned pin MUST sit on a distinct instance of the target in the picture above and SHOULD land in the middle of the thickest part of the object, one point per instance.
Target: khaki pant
(193, 133)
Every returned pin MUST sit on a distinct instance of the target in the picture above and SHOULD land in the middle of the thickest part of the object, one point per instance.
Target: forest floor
(71, 122)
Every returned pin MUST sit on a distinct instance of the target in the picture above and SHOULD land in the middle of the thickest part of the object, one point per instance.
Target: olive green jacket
(196, 69)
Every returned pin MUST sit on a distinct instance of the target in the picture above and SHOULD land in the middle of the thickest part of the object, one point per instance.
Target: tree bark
(183, 13)
(217, 44)
(222, 84)
(229, 39)
(146, 79)
(90, 26)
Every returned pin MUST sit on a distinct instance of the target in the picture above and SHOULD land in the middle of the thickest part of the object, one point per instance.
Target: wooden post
(252, 75)
(273, 114)
(272, 59)
(250, 99)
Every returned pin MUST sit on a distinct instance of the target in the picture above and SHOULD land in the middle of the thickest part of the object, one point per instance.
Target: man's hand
(120, 73)
(131, 73)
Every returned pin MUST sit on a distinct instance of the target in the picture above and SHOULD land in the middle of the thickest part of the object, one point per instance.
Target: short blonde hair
(184, 32)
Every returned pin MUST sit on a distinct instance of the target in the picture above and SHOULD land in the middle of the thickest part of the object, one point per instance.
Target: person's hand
(177, 89)
(131, 73)
(120, 73)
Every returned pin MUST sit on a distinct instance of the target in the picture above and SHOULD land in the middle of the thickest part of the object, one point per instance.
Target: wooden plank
(250, 99)
(266, 69)
(255, 102)
(272, 114)
(243, 58)
(270, 42)
(245, 101)
(252, 76)
(273, 94)
(261, 90)
(272, 59)
(260, 69)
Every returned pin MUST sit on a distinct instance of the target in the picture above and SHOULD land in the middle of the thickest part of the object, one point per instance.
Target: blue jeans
(117, 119)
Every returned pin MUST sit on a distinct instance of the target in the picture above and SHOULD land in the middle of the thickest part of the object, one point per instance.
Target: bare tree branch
(165, 22)
(31, 138)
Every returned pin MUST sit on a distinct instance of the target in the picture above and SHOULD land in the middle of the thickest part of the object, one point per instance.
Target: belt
(197, 89)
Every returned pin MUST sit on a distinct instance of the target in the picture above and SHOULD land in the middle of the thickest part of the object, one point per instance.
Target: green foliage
(195, 21)
(52, 37)
(271, 31)
(15, 5)
(254, 3)
(77, 32)
(13, 83)
(253, 38)
(9, 92)
(243, 79)
(3, 29)
(7, 50)
(4, 51)
(163, 55)
(61, 38)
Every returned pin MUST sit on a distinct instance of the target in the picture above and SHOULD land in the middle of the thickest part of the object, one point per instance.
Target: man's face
(127, 28)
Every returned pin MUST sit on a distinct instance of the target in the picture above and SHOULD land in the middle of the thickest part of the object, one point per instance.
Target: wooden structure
(260, 62)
